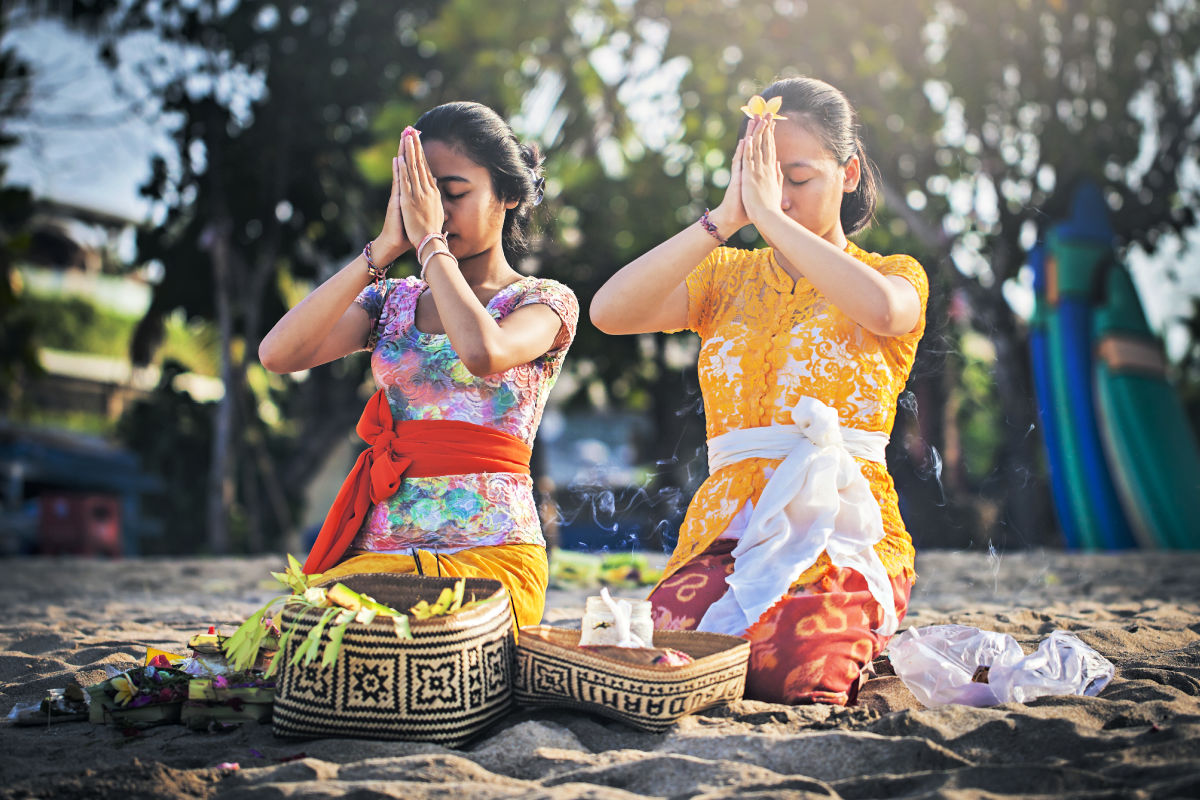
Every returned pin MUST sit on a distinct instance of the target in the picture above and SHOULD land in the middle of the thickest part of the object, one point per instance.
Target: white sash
(816, 500)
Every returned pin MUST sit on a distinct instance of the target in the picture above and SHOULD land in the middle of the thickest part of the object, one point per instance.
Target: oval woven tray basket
(450, 681)
(552, 670)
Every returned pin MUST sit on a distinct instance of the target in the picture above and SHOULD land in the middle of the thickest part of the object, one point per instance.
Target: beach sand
(64, 619)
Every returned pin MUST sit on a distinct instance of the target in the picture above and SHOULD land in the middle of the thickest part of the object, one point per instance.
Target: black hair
(515, 167)
(826, 113)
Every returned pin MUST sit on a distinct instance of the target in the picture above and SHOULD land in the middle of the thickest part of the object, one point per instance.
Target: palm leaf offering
(339, 606)
(139, 697)
(219, 701)
(449, 601)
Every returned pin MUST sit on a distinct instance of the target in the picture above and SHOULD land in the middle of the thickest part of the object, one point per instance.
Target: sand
(65, 619)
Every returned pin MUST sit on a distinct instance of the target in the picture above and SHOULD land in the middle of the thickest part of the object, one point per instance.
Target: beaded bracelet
(429, 258)
(428, 238)
(709, 226)
(376, 272)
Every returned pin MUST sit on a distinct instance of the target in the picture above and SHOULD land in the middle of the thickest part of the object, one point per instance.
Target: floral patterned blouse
(424, 379)
(766, 341)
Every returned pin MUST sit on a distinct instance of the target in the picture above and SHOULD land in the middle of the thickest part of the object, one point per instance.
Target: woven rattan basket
(552, 670)
(445, 685)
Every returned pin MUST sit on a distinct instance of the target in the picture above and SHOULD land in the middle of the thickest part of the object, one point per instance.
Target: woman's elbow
(891, 322)
(273, 358)
(597, 315)
(604, 317)
(481, 362)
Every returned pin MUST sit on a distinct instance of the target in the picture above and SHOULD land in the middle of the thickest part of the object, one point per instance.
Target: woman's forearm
(318, 328)
(483, 345)
(649, 294)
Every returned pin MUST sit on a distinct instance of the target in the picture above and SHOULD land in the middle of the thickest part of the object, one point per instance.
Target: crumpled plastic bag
(938, 662)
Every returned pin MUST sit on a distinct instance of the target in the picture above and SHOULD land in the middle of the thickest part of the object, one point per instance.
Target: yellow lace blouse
(766, 341)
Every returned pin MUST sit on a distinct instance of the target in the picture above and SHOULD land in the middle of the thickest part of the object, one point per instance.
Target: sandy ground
(64, 619)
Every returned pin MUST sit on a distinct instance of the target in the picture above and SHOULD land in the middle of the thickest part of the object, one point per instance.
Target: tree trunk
(221, 485)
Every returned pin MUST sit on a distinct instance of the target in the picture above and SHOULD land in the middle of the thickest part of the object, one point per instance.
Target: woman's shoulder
(535, 284)
(900, 264)
(738, 255)
(535, 289)
(532, 290)
(403, 292)
(726, 259)
(374, 295)
(883, 262)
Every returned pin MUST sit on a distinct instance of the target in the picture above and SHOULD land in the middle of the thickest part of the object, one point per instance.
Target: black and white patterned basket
(453, 678)
(553, 670)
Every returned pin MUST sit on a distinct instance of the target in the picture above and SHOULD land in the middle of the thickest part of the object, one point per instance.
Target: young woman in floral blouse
(464, 357)
(795, 540)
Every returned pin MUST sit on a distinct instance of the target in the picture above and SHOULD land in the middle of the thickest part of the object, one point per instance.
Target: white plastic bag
(937, 663)
(1062, 664)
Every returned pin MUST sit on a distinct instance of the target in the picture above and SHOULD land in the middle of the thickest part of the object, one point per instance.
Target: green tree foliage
(274, 101)
(171, 433)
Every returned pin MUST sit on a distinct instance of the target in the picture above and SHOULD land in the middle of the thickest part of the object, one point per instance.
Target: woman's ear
(852, 174)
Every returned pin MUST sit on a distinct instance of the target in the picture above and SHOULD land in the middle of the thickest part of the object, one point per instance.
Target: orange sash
(413, 448)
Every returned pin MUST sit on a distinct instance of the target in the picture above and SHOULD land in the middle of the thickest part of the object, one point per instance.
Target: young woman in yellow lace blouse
(795, 540)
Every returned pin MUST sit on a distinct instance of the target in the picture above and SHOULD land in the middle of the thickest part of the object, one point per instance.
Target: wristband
(427, 239)
(429, 258)
(376, 272)
(709, 226)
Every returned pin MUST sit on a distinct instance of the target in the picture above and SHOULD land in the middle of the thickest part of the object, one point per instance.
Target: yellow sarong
(522, 569)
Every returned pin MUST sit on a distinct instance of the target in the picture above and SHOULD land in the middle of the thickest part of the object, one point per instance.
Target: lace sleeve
(911, 270)
(702, 297)
(563, 302)
(372, 300)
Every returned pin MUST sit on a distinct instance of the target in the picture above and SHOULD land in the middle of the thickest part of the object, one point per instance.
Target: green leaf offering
(308, 648)
(294, 578)
(336, 632)
(449, 601)
(342, 606)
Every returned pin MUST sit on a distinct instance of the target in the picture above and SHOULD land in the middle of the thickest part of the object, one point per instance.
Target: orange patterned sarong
(810, 647)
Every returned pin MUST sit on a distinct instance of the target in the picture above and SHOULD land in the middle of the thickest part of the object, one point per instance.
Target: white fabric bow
(816, 500)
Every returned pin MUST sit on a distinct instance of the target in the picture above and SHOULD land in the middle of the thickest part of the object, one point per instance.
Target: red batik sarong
(810, 647)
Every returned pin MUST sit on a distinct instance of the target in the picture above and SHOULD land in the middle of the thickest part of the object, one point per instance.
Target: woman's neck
(488, 270)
